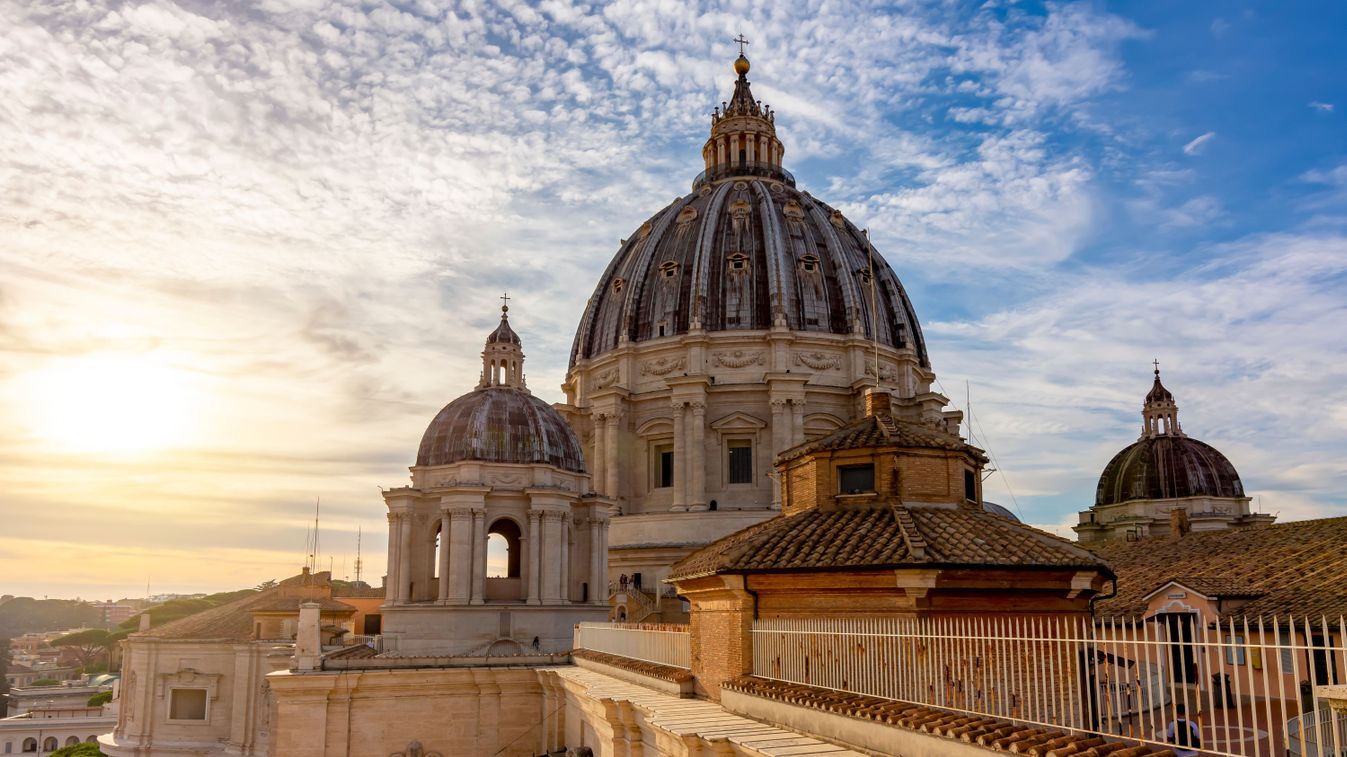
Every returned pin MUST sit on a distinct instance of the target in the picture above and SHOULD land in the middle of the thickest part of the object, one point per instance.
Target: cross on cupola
(1160, 414)
(503, 357)
(741, 41)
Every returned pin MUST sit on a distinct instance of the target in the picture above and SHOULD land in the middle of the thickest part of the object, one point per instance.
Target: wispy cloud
(1321, 106)
(1198, 144)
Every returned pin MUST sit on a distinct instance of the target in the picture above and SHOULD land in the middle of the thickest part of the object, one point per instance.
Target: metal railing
(1245, 685)
(746, 169)
(658, 643)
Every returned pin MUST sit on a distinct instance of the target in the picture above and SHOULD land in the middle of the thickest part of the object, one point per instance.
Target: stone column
(778, 444)
(680, 501)
(796, 422)
(598, 582)
(549, 554)
(446, 528)
(752, 153)
(533, 594)
(478, 557)
(564, 522)
(697, 497)
(720, 151)
(612, 465)
(391, 593)
(600, 457)
(461, 556)
(405, 557)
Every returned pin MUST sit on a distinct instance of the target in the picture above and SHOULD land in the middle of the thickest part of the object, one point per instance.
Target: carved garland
(819, 361)
(739, 358)
(662, 366)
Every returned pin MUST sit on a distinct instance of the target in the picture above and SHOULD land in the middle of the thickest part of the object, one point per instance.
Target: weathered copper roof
(503, 333)
(1165, 467)
(884, 536)
(1299, 568)
(739, 255)
(1158, 392)
(500, 424)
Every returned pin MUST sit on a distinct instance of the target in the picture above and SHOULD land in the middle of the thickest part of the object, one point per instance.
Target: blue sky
(291, 221)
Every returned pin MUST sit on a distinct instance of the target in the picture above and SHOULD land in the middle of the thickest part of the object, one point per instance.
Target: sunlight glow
(120, 403)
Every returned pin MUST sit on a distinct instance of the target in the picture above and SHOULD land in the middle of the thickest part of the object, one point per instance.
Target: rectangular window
(187, 704)
(741, 462)
(664, 467)
(1234, 652)
(970, 486)
(854, 479)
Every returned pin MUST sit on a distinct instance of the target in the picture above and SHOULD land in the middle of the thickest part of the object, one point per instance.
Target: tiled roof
(1299, 567)
(234, 621)
(993, 733)
(877, 431)
(883, 536)
(1220, 586)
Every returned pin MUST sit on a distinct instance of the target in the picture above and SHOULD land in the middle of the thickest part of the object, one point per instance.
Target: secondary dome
(500, 421)
(746, 250)
(1165, 463)
(500, 425)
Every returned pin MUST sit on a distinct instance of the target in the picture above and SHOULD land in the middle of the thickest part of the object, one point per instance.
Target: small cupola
(743, 134)
(503, 357)
(1159, 413)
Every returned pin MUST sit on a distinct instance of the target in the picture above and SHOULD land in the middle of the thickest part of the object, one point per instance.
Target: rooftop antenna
(874, 315)
(312, 561)
(358, 563)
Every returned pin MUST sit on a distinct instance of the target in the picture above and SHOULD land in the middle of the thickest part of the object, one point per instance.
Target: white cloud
(1321, 106)
(1198, 144)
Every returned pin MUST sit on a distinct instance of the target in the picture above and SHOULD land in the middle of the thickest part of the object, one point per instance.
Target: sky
(247, 250)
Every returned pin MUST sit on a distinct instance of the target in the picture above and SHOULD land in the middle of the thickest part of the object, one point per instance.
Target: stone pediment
(738, 421)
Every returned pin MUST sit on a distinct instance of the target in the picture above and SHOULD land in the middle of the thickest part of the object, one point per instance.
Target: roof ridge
(916, 543)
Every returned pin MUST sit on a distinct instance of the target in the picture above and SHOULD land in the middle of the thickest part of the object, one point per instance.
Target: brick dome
(500, 424)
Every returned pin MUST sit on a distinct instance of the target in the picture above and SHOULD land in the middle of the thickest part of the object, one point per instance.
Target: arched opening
(435, 558)
(503, 553)
(50, 744)
(30, 745)
(72, 741)
(91, 740)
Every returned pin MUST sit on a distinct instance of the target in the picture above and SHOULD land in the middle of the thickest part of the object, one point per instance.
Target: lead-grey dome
(744, 253)
(500, 424)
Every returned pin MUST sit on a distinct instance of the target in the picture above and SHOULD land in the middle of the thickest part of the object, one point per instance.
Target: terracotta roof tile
(1298, 568)
(874, 537)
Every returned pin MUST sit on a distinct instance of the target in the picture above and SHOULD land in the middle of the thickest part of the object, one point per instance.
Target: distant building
(42, 731)
(1166, 482)
(113, 613)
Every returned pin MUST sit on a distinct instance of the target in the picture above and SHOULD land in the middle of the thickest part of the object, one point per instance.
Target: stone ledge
(890, 727)
(663, 678)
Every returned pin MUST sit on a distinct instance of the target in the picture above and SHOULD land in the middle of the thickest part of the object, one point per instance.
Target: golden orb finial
(741, 65)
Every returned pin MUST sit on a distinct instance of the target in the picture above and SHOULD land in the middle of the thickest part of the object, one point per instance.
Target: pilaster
(478, 556)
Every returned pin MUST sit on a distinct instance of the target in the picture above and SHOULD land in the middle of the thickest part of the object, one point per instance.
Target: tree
(4, 682)
(100, 699)
(90, 644)
(79, 750)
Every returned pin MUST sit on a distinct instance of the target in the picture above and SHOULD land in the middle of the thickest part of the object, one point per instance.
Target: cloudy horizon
(249, 252)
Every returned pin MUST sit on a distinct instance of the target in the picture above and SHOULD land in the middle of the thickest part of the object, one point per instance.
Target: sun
(116, 403)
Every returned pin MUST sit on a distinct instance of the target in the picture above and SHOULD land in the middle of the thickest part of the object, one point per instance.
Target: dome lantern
(1160, 414)
(503, 357)
(743, 138)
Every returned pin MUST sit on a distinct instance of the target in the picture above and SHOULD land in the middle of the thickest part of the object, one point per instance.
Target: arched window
(91, 740)
(502, 549)
(30, 745)
(50, 744)
(72, 741)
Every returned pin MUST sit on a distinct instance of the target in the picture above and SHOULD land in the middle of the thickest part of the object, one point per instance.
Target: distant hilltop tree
(22, 615)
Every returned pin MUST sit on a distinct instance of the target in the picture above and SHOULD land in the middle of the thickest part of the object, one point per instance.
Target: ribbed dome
(1167, 467)
(745, 253)
(500, 424)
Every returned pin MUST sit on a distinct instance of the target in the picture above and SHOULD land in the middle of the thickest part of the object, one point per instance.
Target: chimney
(308, 640)
(144, 621)
(1178, 522)
(877, 402)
